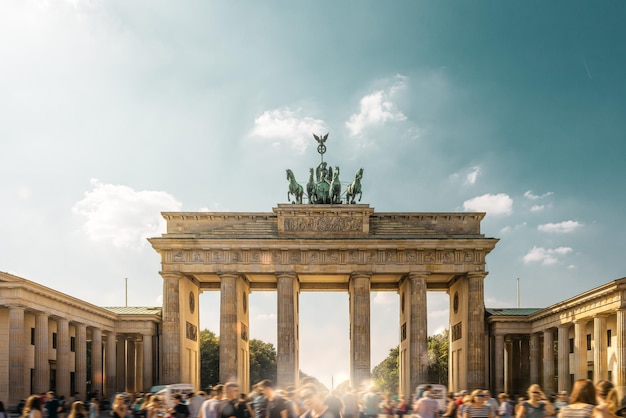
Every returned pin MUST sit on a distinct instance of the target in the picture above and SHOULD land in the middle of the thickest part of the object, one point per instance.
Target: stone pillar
(171, 338)
(130, 365)
(120, 381)
(96, 360)
(63, 358)
(80, 377)
(17, 373)
(147, 362)
(418, 330)
(359, 328)
(563, 358)
(287, 345)
(111, 364)
(498, 357)
(620, 353)
(534, 358)
(508, 368)
(580, 349)
(41, 381)
(599, 349)
(476, 330)
(229, 367)
(548, 361)
(139, 366)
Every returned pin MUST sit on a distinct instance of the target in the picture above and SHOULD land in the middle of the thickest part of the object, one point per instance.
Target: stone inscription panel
(323, 224)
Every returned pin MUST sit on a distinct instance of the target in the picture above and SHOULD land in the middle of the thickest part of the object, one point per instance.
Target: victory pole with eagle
(326, 188)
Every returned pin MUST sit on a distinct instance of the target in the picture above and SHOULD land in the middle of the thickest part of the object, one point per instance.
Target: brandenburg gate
(324, 247)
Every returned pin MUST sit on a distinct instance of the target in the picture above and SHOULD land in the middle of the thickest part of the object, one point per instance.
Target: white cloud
(530, 196)
(385, 298)
(545, 256)
(493, 204)
(561, 227)
(537, 208)
(471, 177)
(288, 126)
(377, 108)
(510, 228)
(123, 216)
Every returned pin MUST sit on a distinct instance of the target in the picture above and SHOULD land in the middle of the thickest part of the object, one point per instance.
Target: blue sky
(113, 111)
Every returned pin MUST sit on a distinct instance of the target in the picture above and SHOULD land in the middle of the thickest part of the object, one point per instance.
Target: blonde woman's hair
(606, 391)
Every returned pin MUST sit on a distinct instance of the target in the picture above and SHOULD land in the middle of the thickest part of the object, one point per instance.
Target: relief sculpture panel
(323, 224)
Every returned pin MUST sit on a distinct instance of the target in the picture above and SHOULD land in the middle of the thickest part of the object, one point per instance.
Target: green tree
(209, 358)
(438, 348)
(262, 361)
(385, 375)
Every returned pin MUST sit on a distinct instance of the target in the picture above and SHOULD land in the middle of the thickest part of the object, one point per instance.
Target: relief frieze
(323, 224)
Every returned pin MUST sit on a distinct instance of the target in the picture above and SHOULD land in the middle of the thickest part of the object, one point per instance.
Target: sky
(114, 111)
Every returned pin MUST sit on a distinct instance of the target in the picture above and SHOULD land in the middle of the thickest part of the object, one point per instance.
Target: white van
(168, 392)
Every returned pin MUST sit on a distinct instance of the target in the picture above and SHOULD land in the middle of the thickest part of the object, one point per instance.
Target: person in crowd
(537, 405)
(402, 407)
(258, 402)
(505, 409)
(227, 407)
(466, 401)
(582, 402)
(477, 407)
(275, 405)
(371, 400)
(210, 407)
(94, 408)
(180, 408)
(451, 407)
(119, 408)
(52, 405)
(77, 410)
(32, 407)
(155, 404)
(606, 395)
(334, 404)
(387, 405)
(491, 402)
(195, 402)
(3, 413)
(561, 401)
(426, 406)
(313, 399)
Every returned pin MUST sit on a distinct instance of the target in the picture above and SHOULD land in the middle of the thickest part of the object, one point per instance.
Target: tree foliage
(262, 361)
(385, 375)
(209, 358)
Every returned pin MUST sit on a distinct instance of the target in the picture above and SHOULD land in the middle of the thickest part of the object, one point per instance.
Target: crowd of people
(312, 400)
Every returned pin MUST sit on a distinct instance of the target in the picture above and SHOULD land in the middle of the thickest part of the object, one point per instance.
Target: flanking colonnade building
(48, 339)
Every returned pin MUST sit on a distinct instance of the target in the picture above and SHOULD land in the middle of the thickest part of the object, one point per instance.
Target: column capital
(360, 275)
(286, 275)
(581, 321)
(418, 275)
(171, 274)
(476, 274)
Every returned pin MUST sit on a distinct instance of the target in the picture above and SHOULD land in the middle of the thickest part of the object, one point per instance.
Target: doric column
(359, 328)
(508, 368)
(96, 360)
(41, 381)
(229, 370)
(563, 366)
(499, 363)
(620, 353)
(130, 365)
(287, 344)
(548, 361)
(80, 377)
(534, 357)
(120, 384)
(17, 372)
(63, 357)
(580, 349)
(476, 330)
(111, 364)
(599, 349)
(418, 336)
(139, 366)
(147, 362)
(171, 339)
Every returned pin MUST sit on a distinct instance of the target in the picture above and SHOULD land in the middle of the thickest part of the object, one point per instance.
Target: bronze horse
(295, 189)
(355, 187)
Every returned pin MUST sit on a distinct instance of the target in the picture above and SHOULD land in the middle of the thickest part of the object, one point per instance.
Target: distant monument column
(548, 361)
(620, 378)
(234, 333)
(111, 364)
(498, 358)
(287, 346)
(359, 328)
(476, 330)
(80, 377)
(600, 348)
(120, 381)
(563, 357)
(147, 362)
(534, 357)
(63, 357)
(131, 371)
(41, 381)
(418, 335)
(17, 383)
(96, 360)
(580, 349)
(171, 339)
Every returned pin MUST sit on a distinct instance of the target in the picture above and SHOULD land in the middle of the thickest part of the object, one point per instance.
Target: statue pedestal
(344, 221)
